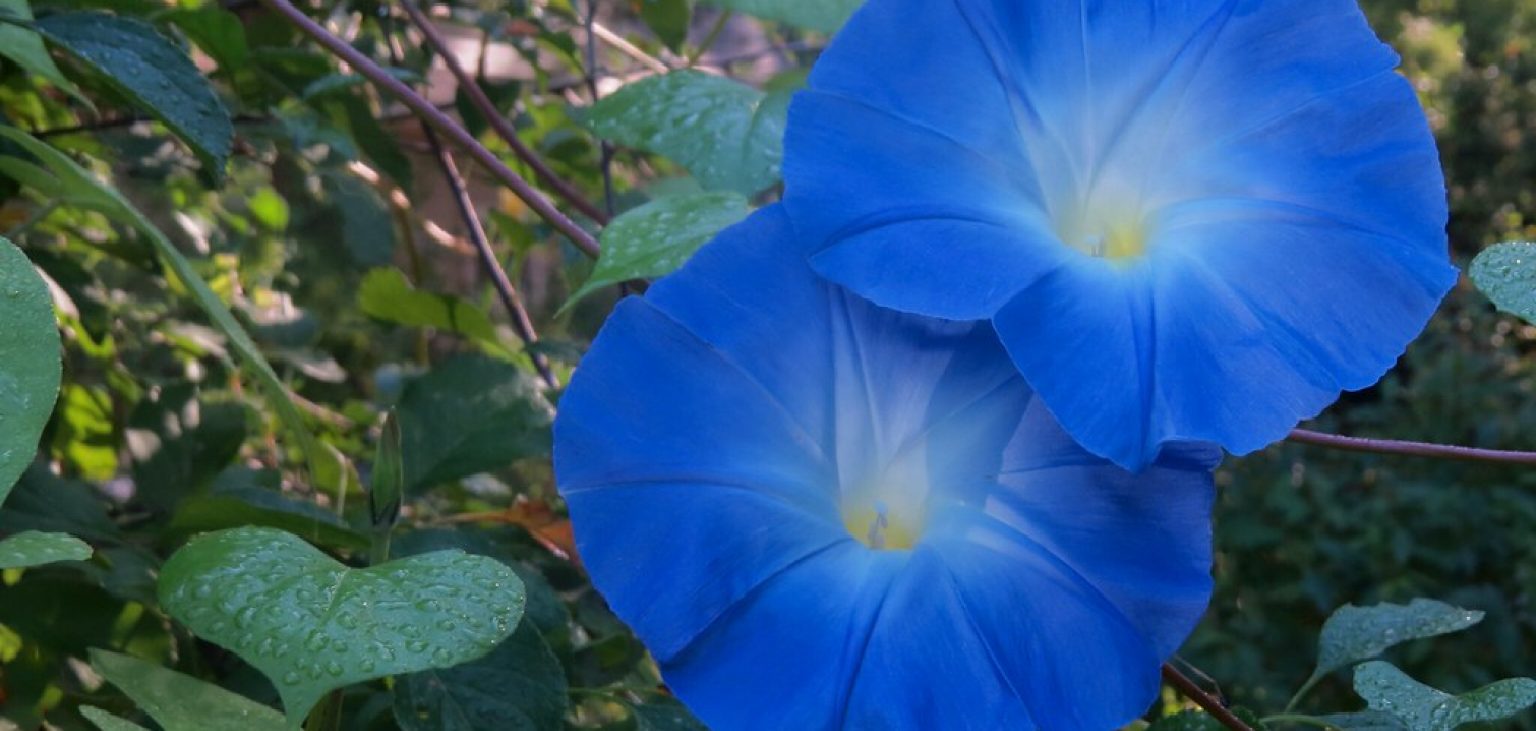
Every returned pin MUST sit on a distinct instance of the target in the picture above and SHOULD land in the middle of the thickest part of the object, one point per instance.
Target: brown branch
(1411, 449)
(499, 124)
(1210, 703)
(429, 113)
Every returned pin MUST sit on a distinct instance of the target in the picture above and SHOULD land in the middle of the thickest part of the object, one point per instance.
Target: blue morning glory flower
(820, 514)
(1187, 219)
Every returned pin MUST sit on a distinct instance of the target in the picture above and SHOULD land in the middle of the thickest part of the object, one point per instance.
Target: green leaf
(386, 487)
(30, 367)
(252, 506)
(1364, 721)
(1422, 708)
(152, 72)
(1356, 634)
(25, 47)
(1193, 720)
(520, 686)
(823, 15)
(669, 20)
(1507, 274)
(470, 415)
(657, 238)
(367, 228)
(386, 295)
(108, 722)
(37, 549)
(665, 715)
(729, 135)
(312, 625)
(183, 703)
(217, 31)
(61, 178)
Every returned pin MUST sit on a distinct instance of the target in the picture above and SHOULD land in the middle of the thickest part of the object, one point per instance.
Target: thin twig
(631, 50)
(1211, 704)
(510, 299)
(498, 123)
(442, 122)
(589, 73)
(710, 38)
(1411, 449)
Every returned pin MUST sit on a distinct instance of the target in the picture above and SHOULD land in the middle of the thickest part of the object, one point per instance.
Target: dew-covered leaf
(727, 134)
(312, 625)
(1356, 634)
(29, 363)
(154, 73)
(470, 415)
(520, 686)
(658, 237)
(823, 15)
(25, 47)
(1507, 274)
(35, 548)
(183, 703)
(1422, 708)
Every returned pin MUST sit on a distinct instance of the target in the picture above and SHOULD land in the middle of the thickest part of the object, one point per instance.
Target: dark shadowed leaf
(665, 715)
(25, 47)
(823, 15)
(154, 73)
(520, 686)
(470, 415)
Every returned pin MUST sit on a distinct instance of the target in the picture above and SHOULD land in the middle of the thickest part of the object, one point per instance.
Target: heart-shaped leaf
(1422, 708)
(29, 363)
(313, 625)
(520, 686)
(181, 702)
(35, 548)
(1356, 634)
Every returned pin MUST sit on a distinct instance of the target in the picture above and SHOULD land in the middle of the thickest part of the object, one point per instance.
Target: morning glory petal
(822, 514)
(1077, 158)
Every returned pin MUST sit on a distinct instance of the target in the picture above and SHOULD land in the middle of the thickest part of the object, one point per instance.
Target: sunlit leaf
(37, 549)
(386, 295)
(312, 625)
(147, 68)
(1422, 708)
(729, 135)
(29, 363)
(181, 702)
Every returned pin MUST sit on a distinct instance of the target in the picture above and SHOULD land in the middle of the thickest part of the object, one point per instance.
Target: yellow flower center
(875, 524)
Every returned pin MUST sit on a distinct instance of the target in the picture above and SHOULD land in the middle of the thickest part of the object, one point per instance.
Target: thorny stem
(498, 123)
(429, 113)
(1411, 449)
(1211, 704)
